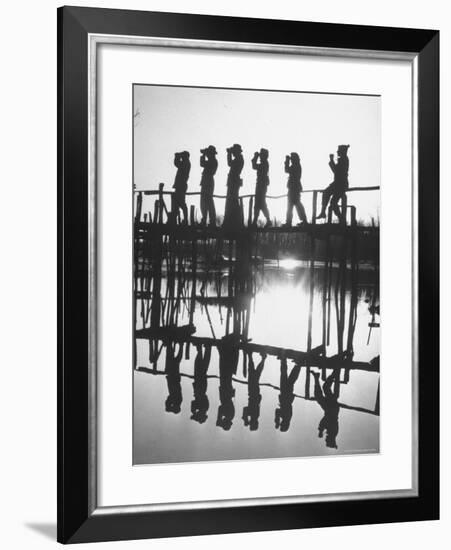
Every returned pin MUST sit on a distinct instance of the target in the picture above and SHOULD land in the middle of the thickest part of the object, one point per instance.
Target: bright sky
(174, 119)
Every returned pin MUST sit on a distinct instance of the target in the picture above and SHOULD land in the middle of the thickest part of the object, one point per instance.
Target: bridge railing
(163, 214)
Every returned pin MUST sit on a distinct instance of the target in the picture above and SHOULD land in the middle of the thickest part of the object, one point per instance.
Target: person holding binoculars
(209, 164)
(235, 160)
(261, 165)
(337, 189)
(294, 170)
(183, 165)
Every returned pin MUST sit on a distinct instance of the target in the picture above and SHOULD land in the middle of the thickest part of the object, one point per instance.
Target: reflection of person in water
(183, 164)
(200, 403)
(329, 403)
(294, 170)
(173, 379)
(207, 184)
(284, 412)
(235, 160)
(261, 165)
(251, 412)
(337, 189)
(228, 363)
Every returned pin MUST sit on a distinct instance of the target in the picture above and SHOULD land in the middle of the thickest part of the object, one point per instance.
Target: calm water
(275, 313)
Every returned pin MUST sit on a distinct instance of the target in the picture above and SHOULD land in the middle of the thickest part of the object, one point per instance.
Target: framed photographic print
(248, 274)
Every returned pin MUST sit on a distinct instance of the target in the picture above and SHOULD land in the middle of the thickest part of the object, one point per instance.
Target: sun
(288, 263)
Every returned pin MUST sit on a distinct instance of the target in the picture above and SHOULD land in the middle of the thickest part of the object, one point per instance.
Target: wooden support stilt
(139, 204)
(194, 277)
(249, 212)
(344, 209)
(173, 215)
(314, 206)
(160, 202)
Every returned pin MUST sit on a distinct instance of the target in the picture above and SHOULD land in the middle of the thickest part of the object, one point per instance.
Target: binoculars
(204, 151)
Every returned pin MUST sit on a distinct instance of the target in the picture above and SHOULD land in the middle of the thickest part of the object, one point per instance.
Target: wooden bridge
(166, 217)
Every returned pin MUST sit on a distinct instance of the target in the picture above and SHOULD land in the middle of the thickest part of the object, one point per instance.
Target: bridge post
(344, 209)
(314, 206)
(249, 212)
(157, 253)
(353, 216)
(172, 218)
(139, 204)
(194, 279)
(160, 202)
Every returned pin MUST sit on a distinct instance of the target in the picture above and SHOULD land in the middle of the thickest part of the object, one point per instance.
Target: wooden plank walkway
(144, 230)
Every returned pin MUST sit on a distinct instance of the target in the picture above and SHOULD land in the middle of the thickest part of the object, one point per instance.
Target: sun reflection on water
(289, 263)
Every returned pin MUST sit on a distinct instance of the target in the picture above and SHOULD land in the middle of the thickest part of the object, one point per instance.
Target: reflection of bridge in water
(178, 268)
(342, 371)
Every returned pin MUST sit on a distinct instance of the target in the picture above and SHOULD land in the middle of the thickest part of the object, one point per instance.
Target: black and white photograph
(256, 310)
(226, 227)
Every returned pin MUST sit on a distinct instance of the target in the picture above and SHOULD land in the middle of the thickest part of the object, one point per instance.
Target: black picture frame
(79, 520)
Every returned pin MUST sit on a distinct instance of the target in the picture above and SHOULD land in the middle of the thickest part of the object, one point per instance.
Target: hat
(343, 148)
(264, 151)
(212, 149)
(237, 147)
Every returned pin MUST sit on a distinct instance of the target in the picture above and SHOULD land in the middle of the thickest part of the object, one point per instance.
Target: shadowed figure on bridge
(284, 412)
(183, 164)
(232, 213)
(251, 412)
(173, 378)
(228, 364)
(209, 164)
(294, 170)
(337, 189)
(329, 403)
(200, 403)
(261, 165)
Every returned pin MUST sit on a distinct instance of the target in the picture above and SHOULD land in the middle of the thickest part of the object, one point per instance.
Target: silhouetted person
(173, 378)
(251, 412)
(261, 165)
(337, 189)
(284, 412)
(294, 170)
(235, 160)
(209, 164)
(329, 403)
(200, 403)
(183, 164)
(228, 363)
